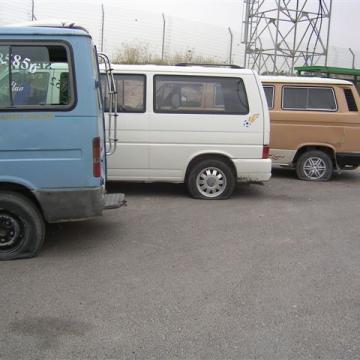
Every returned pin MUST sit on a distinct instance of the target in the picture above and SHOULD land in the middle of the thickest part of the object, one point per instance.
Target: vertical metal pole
(33, 17)
(246, 33)
(277, 35)
(231, 45)
(328, 34)
(102, 27)
(353, 58)
(295, 33)
(163, 37)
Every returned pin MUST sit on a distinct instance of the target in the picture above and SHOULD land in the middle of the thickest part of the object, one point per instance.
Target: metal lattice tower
(282, 34)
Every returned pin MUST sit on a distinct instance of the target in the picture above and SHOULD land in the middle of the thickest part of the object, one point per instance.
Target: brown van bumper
(348, 159)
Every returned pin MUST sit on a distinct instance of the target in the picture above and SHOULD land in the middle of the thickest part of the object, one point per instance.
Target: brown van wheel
(314, 165)
(211, 180)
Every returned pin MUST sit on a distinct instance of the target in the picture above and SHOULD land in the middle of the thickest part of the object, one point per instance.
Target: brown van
(315, 125)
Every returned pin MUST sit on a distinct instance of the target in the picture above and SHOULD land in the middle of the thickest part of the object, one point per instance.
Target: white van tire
(211, 179)
(22, 228)
(314, 165)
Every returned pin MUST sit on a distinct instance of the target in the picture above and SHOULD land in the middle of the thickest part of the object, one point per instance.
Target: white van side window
(130, 93)
(308, 98)
(269, 93)
(200, 94)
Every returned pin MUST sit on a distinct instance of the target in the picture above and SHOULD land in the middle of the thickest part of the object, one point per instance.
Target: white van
(205, 126)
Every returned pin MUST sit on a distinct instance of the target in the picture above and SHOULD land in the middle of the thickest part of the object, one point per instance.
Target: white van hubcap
(211, 182)
(314, 168)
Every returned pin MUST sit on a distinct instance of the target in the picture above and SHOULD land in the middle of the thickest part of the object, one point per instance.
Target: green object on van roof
(328, 70)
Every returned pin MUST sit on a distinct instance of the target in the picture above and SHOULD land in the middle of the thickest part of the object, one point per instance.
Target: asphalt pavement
(272, 273)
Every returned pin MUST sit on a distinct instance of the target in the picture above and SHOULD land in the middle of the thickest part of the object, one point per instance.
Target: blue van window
(35, 77)
(5, 100)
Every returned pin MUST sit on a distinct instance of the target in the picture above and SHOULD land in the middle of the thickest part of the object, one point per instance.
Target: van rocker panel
(70, 204)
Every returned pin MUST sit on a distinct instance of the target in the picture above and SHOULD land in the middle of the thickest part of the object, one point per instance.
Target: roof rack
(231, 66)
(51, 23)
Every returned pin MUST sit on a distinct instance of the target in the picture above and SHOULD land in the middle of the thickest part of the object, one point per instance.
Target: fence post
(33, 17)
(163, 37)
(353, 58)
(231, 45)
(102, 27)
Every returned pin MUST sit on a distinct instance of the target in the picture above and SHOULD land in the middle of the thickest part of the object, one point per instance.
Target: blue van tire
(22, 227)
(211, 179)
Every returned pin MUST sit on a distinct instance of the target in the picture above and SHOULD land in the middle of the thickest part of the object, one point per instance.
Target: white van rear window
(200, 94)
(130, 92)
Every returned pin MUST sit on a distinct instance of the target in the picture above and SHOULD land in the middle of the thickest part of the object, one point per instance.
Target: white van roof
(303, 80)
(195, 69)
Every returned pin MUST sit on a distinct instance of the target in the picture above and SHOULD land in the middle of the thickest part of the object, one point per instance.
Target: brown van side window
(308, 98)
(351, 103)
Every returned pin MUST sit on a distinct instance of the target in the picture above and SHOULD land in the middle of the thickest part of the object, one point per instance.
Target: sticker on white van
(248, 122)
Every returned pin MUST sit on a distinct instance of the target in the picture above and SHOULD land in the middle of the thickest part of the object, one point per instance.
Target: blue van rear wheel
(22, 228)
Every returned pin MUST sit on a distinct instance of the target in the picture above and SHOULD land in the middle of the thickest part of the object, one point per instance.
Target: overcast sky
(139, 22)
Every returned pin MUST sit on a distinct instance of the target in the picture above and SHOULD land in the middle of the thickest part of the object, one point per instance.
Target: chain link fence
(114, 28)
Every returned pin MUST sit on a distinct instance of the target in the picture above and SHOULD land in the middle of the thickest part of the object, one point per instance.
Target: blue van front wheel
(22, 228)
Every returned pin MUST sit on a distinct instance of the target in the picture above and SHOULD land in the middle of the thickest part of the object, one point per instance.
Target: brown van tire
(211, 179)
(314, 165)
(22, 228)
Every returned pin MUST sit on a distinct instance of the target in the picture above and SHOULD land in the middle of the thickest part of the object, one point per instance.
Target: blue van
(52, 139)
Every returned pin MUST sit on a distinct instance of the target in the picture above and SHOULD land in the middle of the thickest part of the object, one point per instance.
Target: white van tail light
(266, 150)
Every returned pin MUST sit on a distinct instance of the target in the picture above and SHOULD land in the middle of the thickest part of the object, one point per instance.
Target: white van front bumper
(253, 170)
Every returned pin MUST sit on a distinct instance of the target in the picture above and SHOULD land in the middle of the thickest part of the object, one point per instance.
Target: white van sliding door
(194, 115)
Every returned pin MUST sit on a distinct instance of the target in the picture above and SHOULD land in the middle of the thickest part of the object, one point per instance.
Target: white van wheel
(212, 180)
(314, 165)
